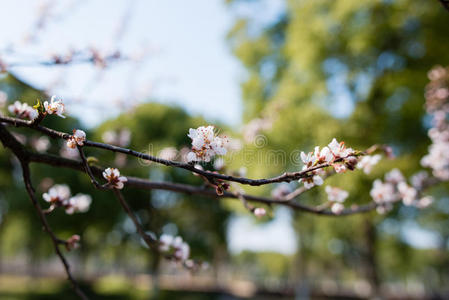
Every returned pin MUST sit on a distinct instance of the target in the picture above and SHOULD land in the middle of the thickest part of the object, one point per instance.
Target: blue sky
(189, 62)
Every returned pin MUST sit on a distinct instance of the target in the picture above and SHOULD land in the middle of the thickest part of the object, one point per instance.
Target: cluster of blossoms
(336, 196)
(112, 175)
(335, 154)
(54, 107)
(23, 110)
(59, 196)
(78, 138)
(437, 105)
(205, 144)
(174, 246)
(368, 162)
(395, 188)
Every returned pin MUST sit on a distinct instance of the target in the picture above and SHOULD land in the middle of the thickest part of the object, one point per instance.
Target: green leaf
(39, 106)
(92, 160)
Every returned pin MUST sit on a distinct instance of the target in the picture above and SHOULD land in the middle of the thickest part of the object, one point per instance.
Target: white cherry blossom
(182, 250)
(57, 194)
(335, 194)
(337, 208)
(16, 108)
(54, 107)
(307, 159)
(165, 242)
(112, 175)
(78, 138)
(339, 150)
(384, 208)
(219, 163)
(339, 167)
(312, 181)
(23, 110)
(424, 202)
(394, 176)
(383, 192)
(174, 245)
(41, 144)
(79, 203)
(205, 144)
(323, 156)
(408, 193)
(367, 162)
(260, 212)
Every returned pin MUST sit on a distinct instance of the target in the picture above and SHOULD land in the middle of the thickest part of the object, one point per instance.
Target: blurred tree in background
(355, 70)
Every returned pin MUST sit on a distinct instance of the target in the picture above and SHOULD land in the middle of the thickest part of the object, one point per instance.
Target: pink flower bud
(260, 212)
(73, 242)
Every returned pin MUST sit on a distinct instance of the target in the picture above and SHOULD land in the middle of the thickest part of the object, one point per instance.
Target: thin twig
(56, 241)
(135, 182)
(89, 171)
(241, 196)
(60, 61)
(302, 189)
(9, 141)
(150, 241)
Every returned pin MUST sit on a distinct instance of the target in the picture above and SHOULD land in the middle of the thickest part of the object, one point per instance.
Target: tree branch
(151, 242)
(9, 141)
(88, 170)
(56, 241)
(135, 182)
(285, 177)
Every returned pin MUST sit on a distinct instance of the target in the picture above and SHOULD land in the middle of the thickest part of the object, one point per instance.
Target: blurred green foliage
(355, 70)
(108, 237)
